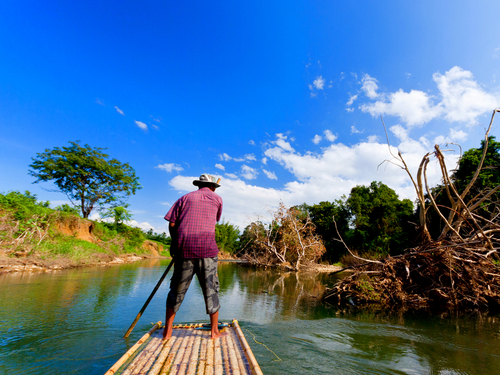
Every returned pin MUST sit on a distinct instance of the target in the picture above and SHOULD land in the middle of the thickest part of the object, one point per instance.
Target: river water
(72, 322)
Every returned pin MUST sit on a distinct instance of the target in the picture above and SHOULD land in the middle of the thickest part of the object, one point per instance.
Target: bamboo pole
(218, 357)
(183, 364)
(172, 354)
(244, 367)
(152, 357)
(131, 351)
(163, 356)
(203, 356)
(139, 362)
(246, 348)
(225, 354)
(149, 299)
(209, 368)
(193, 361)
(232, 355)
(180, 352)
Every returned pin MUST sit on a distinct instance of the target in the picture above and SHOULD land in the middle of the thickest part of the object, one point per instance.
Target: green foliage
(381, 222)
(86, 175)
(323, 216)
(119, 214)
(227, 237)
(162, 238)
(23, 206)
(68, 209)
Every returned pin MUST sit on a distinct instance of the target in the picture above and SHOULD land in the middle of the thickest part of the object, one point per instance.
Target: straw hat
(206, 179)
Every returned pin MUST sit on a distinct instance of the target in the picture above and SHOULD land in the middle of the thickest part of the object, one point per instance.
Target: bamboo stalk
(136, 366)
(218, 357)
(163, 356)
(152, 357)
(225, 354)
(180, 353)
(131, 351)
(232, 355)
(209, 368)
(187, 354)
(203, 356)
(243, 366)
(193, 361)
(246, 348)
(172, 354)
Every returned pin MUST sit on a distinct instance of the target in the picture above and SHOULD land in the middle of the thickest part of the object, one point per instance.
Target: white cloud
(270, 175)
(319, 82)
(142, 125)
(170, 167)
(351, 99)
(312, 95)
(329, 135)
(316, 139)
(119, 111)
(463, 100)
(225, 157)
(354, 130)
(99, 101)
(264, 161)
(220, 166)
(232, 175)
(349, 109)
(369, 86)
(250, 157)
(248, 173)
(322, 176)
(251, 142)
(460, 99)
(282, 143)
(155, 127)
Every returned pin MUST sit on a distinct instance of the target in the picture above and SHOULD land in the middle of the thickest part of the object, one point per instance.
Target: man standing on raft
(192, 222)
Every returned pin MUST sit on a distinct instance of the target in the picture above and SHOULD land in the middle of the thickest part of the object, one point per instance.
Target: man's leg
(179, 284)
(214, 323)
(209, 281)
(169, 322)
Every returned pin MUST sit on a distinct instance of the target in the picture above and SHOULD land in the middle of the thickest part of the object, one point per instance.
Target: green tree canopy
(86, 175)
(381, 222)
(119, 214)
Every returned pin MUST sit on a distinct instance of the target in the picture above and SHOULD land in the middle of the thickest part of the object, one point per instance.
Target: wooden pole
(246, 348)
(149, 299)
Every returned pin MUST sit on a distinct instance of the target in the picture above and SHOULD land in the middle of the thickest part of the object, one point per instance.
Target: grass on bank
(27, 229)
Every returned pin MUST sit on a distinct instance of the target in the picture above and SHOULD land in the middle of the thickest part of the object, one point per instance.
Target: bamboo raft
(189, 351)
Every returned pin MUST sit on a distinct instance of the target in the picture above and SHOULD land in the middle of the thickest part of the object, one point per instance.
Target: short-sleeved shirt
(195, 215)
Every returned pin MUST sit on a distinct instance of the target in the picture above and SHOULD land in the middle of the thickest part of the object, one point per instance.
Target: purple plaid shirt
(195, 215)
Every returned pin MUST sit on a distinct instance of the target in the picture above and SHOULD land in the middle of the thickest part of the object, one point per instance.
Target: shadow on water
(72, 322)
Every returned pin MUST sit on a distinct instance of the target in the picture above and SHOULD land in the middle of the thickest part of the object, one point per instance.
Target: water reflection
(73, 322)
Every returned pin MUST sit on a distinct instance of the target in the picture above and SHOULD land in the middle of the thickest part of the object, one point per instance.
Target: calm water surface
(72, 322)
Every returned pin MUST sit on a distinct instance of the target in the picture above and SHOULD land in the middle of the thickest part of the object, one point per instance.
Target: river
(72, 322)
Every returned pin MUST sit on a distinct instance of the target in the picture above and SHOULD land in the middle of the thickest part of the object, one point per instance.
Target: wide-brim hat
(207, 179)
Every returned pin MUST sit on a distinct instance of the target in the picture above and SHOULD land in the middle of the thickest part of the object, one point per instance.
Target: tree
(119, 214)
(380, 220)
(289, 240)
(86, 175)
(227, 237)
(323, 216)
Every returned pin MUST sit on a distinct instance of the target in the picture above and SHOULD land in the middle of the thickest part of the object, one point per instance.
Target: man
(192, 222)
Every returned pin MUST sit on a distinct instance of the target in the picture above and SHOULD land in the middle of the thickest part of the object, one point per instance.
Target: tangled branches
(458, 269)
(288, 241)
(441, 274)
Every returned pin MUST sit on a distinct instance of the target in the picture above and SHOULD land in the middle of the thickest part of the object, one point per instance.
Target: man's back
(195, 215)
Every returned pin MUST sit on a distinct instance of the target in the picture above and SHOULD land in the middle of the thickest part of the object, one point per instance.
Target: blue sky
(282, 100)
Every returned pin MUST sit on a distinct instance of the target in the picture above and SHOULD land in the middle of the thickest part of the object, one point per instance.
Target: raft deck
(191, 351)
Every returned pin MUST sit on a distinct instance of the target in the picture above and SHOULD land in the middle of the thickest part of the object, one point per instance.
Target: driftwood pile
(460, 269)
(439, 275)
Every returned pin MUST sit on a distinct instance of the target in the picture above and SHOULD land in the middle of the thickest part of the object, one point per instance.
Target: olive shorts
(206, 271)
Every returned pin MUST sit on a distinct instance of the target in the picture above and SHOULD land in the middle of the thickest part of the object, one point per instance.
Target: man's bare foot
(217, 335)
(166, 333)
